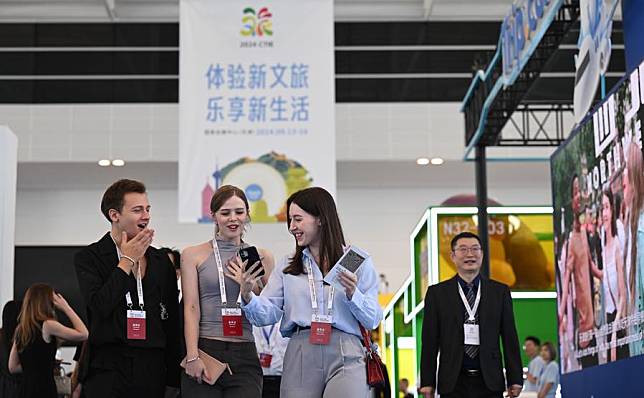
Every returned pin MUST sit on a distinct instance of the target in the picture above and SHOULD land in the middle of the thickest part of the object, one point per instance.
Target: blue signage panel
(521, 32)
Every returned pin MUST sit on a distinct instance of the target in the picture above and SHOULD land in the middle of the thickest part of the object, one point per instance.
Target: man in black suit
(464, 318)
(130, 291)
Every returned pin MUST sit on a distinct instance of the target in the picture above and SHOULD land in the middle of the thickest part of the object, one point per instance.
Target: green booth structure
(521, 256)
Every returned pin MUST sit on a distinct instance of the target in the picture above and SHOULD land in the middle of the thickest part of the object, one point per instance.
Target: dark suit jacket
(443, 332)
(103, 286)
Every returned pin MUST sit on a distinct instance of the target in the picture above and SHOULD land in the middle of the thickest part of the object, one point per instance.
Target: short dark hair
(464, 235)
(534, 339)
(113, 198)
(551, 349)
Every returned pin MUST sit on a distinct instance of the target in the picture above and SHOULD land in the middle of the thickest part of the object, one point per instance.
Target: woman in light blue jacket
(325, 356)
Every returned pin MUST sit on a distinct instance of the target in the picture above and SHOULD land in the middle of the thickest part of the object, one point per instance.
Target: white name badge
(471, 334)
(231, 311)
(322, 318)
(136, 314)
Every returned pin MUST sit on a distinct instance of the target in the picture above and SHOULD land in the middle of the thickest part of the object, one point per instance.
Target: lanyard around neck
(312, 292)
(268, 335)
(471, 311)
(139, 282)
(220, 271)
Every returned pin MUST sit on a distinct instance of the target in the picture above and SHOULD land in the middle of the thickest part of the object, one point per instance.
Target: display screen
(598, 195)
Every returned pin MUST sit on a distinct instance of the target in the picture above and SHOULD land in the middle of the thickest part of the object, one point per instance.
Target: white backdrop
(256, 102)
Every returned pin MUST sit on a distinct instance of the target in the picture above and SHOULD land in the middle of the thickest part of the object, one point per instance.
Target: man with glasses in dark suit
(464, 317)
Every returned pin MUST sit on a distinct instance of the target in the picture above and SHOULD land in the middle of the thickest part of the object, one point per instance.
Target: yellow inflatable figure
(517, 257)
(500, 269)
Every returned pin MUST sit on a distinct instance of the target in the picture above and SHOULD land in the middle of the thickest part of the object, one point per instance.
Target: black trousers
(246, 380)
(468, 386)
(136, 373)
(271, 387)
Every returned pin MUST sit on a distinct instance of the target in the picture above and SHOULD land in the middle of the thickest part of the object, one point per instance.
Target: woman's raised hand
(247, 278)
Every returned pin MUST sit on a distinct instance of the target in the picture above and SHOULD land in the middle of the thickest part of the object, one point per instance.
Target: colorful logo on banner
(257, 24)
(267, 182)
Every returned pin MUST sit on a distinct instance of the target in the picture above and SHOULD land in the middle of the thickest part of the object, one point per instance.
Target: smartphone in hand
(251, 255)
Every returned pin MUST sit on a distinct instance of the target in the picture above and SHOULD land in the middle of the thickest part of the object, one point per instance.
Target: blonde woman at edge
(204, 300)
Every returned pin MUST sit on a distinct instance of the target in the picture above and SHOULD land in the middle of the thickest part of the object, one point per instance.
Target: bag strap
(366, 341)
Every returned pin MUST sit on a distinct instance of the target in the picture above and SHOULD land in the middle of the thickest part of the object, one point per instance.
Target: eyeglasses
(465, 250)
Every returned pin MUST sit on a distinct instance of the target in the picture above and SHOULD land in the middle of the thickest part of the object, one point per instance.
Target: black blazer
(443, 332)
(103, 286)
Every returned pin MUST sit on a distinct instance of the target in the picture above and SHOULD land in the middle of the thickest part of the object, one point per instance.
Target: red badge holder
(135, 325)
(232, 321)
(320, 329)
(265, 359)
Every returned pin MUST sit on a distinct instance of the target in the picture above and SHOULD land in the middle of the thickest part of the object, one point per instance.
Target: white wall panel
(8, 168)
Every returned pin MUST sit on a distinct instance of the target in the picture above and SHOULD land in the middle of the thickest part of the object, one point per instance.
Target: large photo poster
(598, 195)
(256, 102)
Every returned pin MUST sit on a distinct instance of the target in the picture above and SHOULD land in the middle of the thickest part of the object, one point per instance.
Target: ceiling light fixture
(118, 162)
(437, 161)
(104, 162)
(422, 161)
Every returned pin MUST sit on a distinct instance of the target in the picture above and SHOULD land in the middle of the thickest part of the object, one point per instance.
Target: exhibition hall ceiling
(168, 10)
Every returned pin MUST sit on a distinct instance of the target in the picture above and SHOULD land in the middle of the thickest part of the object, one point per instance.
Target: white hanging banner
(256, 102)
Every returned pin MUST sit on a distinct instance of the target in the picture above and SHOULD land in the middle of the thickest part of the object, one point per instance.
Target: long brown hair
(636, 180)
(37, 307)
(319, 203)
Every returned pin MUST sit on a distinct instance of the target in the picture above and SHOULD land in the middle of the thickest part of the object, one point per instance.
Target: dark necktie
(471, 350)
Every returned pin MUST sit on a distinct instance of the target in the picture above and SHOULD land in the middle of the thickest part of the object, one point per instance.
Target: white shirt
(269, 340)
(534, 368)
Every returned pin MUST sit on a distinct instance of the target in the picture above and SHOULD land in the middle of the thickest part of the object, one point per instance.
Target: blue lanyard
(268, 336)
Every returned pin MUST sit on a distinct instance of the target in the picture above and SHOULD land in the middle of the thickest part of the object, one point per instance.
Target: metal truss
(500, 104)
(537, 125)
